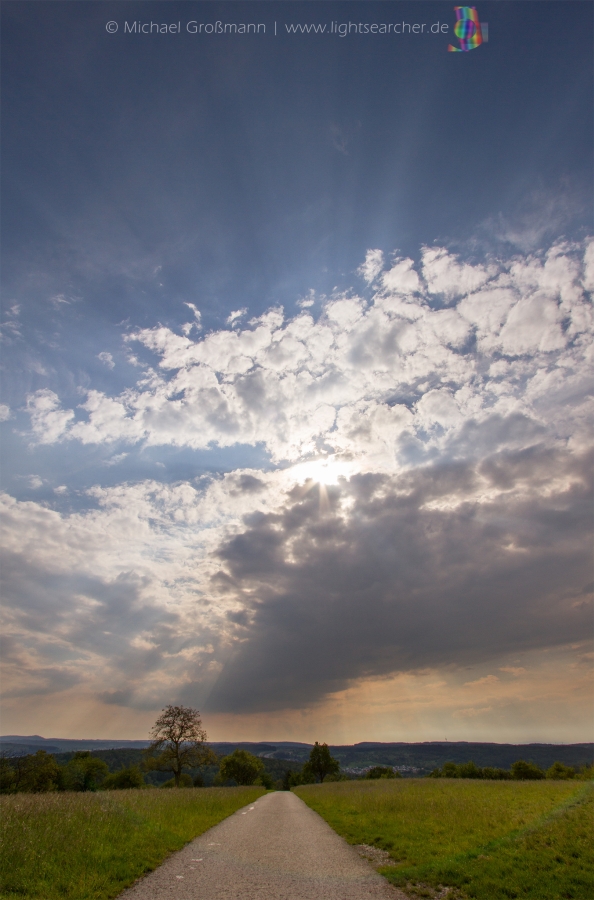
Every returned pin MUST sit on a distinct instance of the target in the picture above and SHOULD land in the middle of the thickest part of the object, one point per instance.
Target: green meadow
(90, 846)
(484, 839)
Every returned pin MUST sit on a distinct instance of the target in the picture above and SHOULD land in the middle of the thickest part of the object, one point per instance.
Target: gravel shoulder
(275, 849)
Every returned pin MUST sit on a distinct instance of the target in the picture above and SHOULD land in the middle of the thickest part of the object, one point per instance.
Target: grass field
(486, 839)
(91, 846)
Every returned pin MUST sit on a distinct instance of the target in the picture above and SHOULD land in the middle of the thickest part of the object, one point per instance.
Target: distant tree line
(179, 749)
(84, 771)
(519, 771)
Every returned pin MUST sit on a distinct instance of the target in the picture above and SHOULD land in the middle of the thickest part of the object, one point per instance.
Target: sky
(296, 370)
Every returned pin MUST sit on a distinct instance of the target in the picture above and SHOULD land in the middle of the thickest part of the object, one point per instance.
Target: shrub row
(520, 771)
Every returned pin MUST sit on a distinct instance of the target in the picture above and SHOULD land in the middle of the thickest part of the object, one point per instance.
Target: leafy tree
(468, 770)
(7, 776)
(558, 770)
(320, 763)
(295, 777)
(382, 772)
(495, 774)
(179, 742)
(130, 777)
(185, 781)
(36, 773)
(241, 766)
(84, 772)
(265, 779)
(526, 771)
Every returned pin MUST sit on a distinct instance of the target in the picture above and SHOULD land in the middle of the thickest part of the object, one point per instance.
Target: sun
(325, 470)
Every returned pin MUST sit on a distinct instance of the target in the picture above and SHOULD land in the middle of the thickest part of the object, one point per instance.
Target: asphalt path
(275, 849)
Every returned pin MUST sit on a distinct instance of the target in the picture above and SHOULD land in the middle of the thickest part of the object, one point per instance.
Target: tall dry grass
(90, 846)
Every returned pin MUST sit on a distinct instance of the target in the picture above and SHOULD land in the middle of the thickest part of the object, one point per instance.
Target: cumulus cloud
(429, 508)
(48, 420)
(299, 384)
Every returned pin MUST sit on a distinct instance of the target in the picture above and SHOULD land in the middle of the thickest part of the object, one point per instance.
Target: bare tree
(179, 742)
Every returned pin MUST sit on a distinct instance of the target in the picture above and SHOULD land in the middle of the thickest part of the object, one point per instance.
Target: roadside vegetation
(90, 846)
(485, 839)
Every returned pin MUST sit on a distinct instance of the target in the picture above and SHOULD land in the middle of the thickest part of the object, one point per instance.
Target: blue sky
(296, 337)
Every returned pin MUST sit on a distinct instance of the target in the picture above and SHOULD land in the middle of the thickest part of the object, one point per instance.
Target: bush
(469, 770)
(294, 779)
(126, 778)
(382, 772)
(84, 772)
(265, 779)
(185, 780)
(526, 771)
(7, 776)
(559, 771)
(35, 773)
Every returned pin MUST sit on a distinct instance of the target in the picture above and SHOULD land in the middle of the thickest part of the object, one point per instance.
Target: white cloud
(107, 359)
(48, 421)
(588, 279)
(195, 310)
(445, 275)
(402, 278)
(451, 450)
(374, 263)
(5, 413)
(236, 314)
(515, 342)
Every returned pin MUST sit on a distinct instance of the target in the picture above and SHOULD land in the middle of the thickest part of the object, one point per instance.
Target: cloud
(5, 413)
(402, 278)
(486, 680)
(425, 570)
(236, 314)
(445, 275)
(520, 331)
(48, 421)
(424, 507)
(107, 359)
(374, 263)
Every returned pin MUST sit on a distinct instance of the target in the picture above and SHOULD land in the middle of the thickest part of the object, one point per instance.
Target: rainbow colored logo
(470, 32)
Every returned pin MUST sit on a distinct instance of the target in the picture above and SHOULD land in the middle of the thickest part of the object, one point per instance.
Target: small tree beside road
(241, 766)
(179, 742)
(320, 763)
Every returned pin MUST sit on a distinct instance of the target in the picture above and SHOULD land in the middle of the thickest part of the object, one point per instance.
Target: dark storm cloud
(412, 575)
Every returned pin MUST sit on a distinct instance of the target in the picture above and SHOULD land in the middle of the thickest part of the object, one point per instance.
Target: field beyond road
(90, 846)
(487, 839)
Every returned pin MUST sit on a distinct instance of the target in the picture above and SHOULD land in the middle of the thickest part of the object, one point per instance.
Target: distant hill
(433, 754)
(417, 758)
(18, 744)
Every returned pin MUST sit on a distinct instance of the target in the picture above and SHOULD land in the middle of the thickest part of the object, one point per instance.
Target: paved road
(276, 849)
